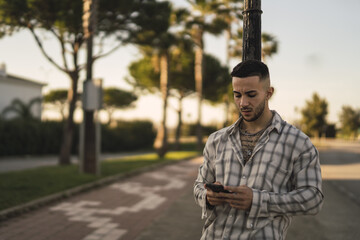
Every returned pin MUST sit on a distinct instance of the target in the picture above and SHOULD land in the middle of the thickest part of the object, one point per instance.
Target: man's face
(250, 95)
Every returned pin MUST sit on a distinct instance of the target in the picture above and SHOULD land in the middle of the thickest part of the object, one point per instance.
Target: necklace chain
(249, 140)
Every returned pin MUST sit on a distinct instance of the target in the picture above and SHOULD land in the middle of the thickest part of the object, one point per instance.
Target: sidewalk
(15, 163)
(123, 210)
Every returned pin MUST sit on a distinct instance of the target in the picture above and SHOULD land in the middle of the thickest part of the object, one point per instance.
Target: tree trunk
(161, 144)
(110, 112)
(226, 95)
(199, 82)
(179, 126)
(227, 110)
(65, 150)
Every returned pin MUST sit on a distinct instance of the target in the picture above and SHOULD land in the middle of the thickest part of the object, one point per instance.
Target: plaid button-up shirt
(283, 173)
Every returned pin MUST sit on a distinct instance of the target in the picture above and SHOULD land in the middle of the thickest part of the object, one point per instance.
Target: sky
(318, 52)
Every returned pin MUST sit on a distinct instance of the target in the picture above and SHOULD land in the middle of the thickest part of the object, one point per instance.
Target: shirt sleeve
(206, 174)
(305, 198)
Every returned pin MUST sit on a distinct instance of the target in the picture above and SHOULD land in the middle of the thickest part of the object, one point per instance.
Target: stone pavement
(122, 210)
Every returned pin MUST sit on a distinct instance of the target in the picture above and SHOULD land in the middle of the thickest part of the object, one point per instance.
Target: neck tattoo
(249, 140)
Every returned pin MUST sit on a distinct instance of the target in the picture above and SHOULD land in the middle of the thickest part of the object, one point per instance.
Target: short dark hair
(250, 68)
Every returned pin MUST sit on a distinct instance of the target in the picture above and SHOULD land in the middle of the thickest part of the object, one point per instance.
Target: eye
(252, 95)
(237, 95)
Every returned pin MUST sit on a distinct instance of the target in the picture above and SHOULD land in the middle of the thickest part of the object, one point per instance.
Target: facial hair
(258, 111)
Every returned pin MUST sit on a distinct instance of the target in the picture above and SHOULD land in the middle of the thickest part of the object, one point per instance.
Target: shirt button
(251, 225)
(243, 177)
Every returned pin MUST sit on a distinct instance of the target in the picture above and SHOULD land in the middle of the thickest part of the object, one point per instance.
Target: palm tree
(146, 76)
(157, 44)
(206, 16)
(161, 143)
(232, 13)
(21, 109)
(182, 79)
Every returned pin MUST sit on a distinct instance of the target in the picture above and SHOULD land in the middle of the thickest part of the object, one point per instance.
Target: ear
(269, 93)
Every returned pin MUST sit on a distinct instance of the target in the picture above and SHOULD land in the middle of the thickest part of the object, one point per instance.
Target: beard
(258, 111)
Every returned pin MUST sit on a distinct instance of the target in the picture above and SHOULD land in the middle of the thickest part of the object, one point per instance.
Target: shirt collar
(277, 124)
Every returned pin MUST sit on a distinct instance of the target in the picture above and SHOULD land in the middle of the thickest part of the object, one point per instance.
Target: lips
(246, 113)
(245, 110)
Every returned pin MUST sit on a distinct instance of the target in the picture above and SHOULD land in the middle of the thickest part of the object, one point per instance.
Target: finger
(233, 201)
(237, 189)
(226, 195)
(215, 201)
(215, 198)
(231, 189)
(235, 204)
(213, 194)
(241, 204)
(233, 196)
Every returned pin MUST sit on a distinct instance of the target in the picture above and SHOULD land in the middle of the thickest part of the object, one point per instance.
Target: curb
(37, 203)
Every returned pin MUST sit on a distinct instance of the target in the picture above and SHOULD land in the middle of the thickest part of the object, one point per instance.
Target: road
(338, 220)
(340, 216)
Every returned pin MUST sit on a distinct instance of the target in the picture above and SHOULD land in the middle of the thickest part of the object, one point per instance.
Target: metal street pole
(89, 149)
(252, 30)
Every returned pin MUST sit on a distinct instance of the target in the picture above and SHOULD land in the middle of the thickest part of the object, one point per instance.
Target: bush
(127, 136)
(19, 137)
(190, 130)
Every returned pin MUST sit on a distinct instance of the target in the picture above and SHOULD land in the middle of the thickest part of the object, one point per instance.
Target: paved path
(15, 163)
(159, 205)
(119, 211)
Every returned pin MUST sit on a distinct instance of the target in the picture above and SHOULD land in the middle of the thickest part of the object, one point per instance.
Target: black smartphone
(216, 188)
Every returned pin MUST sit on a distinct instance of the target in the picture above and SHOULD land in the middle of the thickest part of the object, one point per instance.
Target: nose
(244, 102)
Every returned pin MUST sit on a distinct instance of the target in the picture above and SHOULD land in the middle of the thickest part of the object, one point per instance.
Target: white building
(13, 87)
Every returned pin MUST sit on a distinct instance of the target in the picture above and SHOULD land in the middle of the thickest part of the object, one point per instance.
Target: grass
(20, 187)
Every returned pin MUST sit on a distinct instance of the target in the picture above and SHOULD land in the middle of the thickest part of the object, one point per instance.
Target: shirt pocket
(276, 177)
(270, 173)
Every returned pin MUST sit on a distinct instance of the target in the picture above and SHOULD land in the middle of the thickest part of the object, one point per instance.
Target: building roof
(10, 77)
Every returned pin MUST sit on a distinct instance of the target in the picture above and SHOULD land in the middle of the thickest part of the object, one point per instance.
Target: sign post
(92, 93)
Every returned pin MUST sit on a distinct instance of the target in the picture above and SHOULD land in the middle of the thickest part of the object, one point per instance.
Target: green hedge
(127, 136)
(19, 137)
(191, 129)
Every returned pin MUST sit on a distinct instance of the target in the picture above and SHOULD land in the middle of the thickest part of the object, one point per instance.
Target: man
(271, 169)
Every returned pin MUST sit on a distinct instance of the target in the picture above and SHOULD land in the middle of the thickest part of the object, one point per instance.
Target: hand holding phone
(216, 188)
